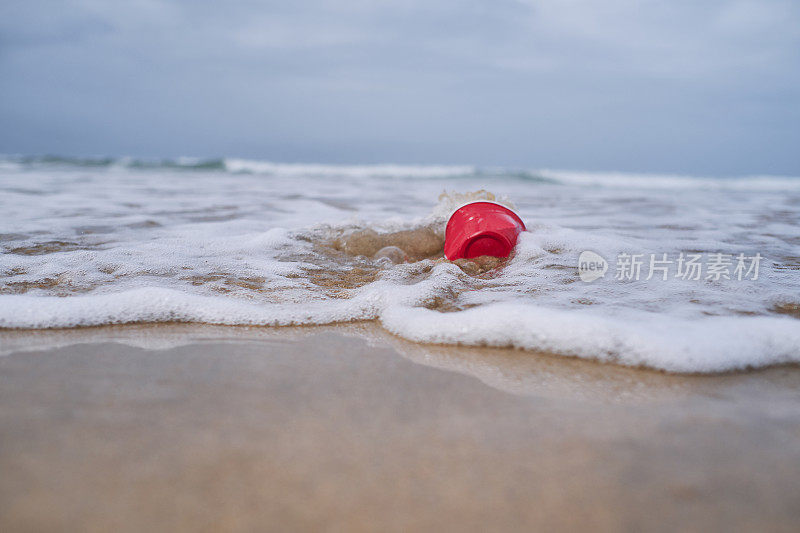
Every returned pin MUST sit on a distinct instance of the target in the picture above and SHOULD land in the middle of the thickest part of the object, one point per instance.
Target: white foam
(671, 181)
(644, 339)
(361, 171)
(647, 339)
(227, 247)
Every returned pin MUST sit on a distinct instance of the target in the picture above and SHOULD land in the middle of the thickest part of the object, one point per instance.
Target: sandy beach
(400, 266)
(348, 428)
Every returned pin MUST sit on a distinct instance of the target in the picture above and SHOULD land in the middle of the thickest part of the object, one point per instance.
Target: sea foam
(117, 241)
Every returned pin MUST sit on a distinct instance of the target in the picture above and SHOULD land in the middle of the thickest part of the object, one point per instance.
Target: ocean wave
(629, 180)
(615, 180)
(358, 171)
(56, 161)
(241, 242)
(715, 344)
(242, 166)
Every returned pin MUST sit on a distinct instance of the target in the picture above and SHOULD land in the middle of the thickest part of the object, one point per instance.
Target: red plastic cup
(481, 228)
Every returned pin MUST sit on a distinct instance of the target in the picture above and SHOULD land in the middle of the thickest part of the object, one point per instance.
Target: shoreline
(370, 330)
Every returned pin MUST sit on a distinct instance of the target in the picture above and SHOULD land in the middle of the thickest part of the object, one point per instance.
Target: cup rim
(505, 207)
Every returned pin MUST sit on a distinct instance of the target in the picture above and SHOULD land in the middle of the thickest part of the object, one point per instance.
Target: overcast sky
(688, 86)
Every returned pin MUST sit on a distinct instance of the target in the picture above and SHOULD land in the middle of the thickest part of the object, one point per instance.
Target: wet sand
(195, 428)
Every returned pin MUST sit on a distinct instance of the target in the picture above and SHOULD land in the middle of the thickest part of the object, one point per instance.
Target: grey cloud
(705, 87)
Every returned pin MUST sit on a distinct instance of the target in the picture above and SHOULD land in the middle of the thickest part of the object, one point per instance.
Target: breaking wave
(226, 241)
(269, 168)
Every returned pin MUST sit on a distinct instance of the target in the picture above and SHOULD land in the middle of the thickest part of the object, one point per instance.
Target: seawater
(109, 241)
